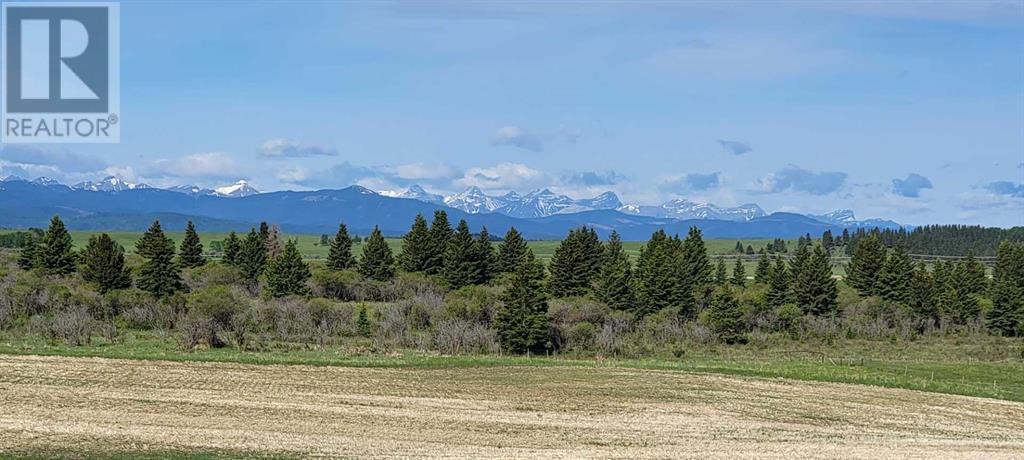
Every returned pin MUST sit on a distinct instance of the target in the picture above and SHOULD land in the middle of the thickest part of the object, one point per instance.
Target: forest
(455, 291)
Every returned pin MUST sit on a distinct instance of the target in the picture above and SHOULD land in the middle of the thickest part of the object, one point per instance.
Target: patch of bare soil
(53, 404)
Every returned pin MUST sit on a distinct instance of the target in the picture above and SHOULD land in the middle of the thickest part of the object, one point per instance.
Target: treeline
(456, 290)
(943, 240)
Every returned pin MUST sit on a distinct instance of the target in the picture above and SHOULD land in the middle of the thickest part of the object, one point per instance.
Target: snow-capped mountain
(474, 201)
(237, 190)
(416, 192)
(538, 203)
(192, 190)
(846, 218)
(686, 209)
(109, 184)
(47, 182)
(12, 178)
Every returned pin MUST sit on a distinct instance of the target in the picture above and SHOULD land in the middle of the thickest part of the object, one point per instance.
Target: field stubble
(111, 406)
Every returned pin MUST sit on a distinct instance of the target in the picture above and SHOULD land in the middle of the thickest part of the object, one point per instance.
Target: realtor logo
(61, 70)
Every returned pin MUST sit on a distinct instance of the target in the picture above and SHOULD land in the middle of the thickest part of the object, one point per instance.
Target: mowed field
(61, 406)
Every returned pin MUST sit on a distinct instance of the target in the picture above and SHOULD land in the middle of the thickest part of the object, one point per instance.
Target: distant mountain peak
(239, 189)
(109, 184)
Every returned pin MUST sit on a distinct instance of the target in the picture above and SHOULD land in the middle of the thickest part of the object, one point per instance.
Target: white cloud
(506, 176)
(286, 148)
(212, 165)
(517, 137)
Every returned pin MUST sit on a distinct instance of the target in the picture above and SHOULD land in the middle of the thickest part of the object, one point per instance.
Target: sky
(909, 111)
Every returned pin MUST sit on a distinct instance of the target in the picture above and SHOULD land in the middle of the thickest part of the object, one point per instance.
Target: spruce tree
(416, 247)
(273, 241)
(922, 299)
(363, 325)
(190, 255)
(894, 282)
(287, 274)
(800, 259)
(377, 262)
(827, 241)
(814, 289)
(970, 276)
(522, 323)
(440, 235)
(159, 274)
(865, 265)
(252, 258)
(29, 256)
(721, 273)
(725, 316)
(54, 254)
(264, 232)
(232, 248)
(1007, 314)
(575, 263)
(340, 255)
(462, 266)
(104, 264)
(511, 251)
(614, 283)
(739, 274)
(658, 280)
(763, 273)
(696, 265)
(739, 247)
(485, 255)
(778, 288)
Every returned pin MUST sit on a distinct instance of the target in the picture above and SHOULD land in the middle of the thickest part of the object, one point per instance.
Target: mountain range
(538, 215)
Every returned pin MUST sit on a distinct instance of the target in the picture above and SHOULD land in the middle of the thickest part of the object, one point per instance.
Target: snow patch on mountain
(237, 190)
(109, 184)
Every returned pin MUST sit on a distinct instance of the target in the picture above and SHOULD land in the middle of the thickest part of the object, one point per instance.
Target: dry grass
(93, 405)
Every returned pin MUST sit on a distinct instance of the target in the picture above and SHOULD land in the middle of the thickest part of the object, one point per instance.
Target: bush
(581, 336)
(210, 311)
(213, 274)
(460, 336)
(73, 325)
(334, 284)
(471, 303)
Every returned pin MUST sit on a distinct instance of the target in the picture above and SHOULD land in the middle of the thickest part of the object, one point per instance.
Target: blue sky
(910, 111)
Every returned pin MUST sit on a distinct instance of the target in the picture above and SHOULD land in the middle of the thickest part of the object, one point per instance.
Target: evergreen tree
(273, 241)
(800, 259)
(511, 251)
(340, 255)
(739, 274)
(865, 265)
(252, 258)
(814, 289)
(750, 250)
(416, 246)
(485, 255)
(287, 274)
(522, 324)
(232, 248)
(462, 265)
(725, 316)
(970, 276)
(894, 282)
(264, 232)
(739, 247)
(958, 307)
(1007, 314)
(190, 255)
(159, 274)
(922, 294)
(778, 288)
(29, 257)
(721, 274)
(763, 273)
(104, 264)
(614, 283)
(440, 235)
(363, 325)
(377, 262)
(575, 263)
(827, 241)
(54, 254)
(658, 280)
(696, 265)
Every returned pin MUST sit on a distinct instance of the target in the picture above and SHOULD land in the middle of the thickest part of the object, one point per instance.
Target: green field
(311, 248)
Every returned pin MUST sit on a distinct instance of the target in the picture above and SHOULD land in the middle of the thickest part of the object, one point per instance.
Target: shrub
(210, 311)
(459, 336)
(789, 317)
(213, 274)
(581, 336)
(471, 303)
(334, 284)
(73, 325)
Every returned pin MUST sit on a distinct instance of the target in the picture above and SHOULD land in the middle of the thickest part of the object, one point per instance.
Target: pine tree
(485, 255)
(1007, 314)
(894, 282)
(252, 258)
(273, 241)
(739, 247)
(721, 273)
(575, 263)
(416, 246)
(800, 258)
(522, 324)
(658, 280)
(287, 274)
(763, 273)
(363, 325)
(778, 288)
(921, 298)
(55, 254)
(264, 232)
(725, 316)
(814, 289)
(970, 276)
(827, 241)
(190, 255)
(739, 274)
(104, 264)
(232, 248)
(865, 265)
(614, 283)
(511, 251)
(440, 235)
(696, 265)
(377, 262)
(957, 306)
(340, 255)
(462, 266)
(159, 274)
